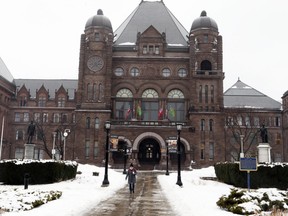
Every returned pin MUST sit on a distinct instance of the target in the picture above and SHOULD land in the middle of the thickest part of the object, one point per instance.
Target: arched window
(148, 109)
(175, 105)
(89, 91)
(124, 104)
(206, 65)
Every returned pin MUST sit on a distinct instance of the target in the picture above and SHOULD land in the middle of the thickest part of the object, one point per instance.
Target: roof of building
(151, 13)
(50, 85)
(4, 71)
(204, 22)
(240, 95)
(99, 20)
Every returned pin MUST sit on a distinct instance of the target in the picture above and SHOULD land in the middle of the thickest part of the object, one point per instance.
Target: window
(56, 117)
(144, 49)
(206, 65)
(277, 121)
(37, 117)
(26, 117)
(124, 93)
(205, 38)
(89, 91)
(73, 118)
(166, 72)
(17, 117)
(96, 149)
(134, 72)
(202, 125)
(211, 123)
(64, 117)
(124, 104)
(23, 101)
(97, 123)
(95, 92)
(45, 117)
(202, 151)
(157, 50)
(212, 93)
(88, 122)
(19, 153)
(211, 150)
(119, 71)
(148, 110)
(206, 93)
(176, 105)
(97, 36)
(61, 101)
(19, 135)
(182, 72)
(87, 149)
(200, 94)
(42, 101)
(151, 49)
(256, 121)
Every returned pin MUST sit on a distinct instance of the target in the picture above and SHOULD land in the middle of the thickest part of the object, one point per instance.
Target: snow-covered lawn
(197, 197)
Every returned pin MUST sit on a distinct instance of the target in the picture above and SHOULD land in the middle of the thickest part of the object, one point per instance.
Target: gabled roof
(241, 95)
(50, 85)
(4, 71)
(155, 14)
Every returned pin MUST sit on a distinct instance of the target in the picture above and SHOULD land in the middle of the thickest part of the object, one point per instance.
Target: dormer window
(157, 50)
(42, 101)
(144, 49)
(205, 38)
(97, 36)
(151, 49)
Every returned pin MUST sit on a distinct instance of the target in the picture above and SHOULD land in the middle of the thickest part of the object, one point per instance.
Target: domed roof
(204, 22)
(98, 20)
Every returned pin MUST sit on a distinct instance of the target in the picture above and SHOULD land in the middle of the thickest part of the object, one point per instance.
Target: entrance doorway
(149, 152)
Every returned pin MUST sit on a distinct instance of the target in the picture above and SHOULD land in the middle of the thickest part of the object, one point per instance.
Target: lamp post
(65, 134)
(179, 128)
(107, 127)
(242, 151)
(125, 159)
(167, 153)
(53, 149)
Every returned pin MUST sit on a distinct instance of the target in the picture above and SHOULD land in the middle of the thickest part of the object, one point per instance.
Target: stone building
(145, 77)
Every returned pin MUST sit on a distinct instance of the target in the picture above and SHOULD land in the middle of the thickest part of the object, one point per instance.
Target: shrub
(40, 172)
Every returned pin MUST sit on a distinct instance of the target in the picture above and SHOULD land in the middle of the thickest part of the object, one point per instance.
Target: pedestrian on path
(131, 176)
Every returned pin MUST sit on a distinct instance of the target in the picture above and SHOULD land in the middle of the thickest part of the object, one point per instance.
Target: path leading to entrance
(147, 200)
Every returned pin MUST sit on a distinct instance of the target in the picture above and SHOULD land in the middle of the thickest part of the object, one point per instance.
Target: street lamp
(107, 127)
(125, 158)
(242, 151)
(167, 153)
(179, 128)
(65, 134)
(53, 148)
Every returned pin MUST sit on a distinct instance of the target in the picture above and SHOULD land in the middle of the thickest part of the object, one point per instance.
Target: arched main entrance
(149, 153)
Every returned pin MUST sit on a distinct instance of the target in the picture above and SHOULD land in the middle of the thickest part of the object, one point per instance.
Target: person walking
(131, 176)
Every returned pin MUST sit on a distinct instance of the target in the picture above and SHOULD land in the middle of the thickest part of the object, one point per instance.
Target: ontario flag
(160, 113)
(139, 110)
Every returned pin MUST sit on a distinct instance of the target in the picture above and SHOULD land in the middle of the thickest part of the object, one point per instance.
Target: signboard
(113, 143)
(248, 164)
(172, 144)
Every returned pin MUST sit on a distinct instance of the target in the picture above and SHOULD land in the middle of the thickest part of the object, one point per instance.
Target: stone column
(29, 151)
(264, 153)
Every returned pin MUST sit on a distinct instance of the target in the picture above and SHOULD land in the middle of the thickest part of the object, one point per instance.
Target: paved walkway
(147, 200)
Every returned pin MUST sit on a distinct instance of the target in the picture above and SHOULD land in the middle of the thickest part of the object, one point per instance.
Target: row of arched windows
(95, 92)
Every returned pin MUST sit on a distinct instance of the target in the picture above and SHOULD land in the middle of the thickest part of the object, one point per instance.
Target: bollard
(26, 180)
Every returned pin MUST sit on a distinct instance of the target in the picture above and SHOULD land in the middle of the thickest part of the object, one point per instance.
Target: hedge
(267, 175)
(12, 172)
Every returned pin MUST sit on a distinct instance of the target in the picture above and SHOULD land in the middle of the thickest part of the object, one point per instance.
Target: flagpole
(1, 142)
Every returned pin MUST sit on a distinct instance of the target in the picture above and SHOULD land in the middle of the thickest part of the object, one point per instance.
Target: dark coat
(131, 176)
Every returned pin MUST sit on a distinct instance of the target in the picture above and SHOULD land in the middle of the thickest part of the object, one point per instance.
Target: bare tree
(243, 124)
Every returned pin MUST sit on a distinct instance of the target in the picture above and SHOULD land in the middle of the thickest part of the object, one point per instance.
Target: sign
(113, 141)
(172, 144)
(248, 164)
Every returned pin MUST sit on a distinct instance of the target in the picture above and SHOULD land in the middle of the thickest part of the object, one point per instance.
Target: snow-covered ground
(197, 197)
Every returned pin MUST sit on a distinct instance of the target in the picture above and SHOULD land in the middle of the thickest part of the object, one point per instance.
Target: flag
(160, 113)
(172, 112)
(127, 113)
(139, 110)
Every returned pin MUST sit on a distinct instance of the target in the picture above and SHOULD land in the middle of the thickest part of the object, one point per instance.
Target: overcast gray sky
(41, 38)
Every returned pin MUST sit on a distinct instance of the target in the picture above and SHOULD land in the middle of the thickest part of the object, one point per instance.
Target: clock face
(95, 63)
